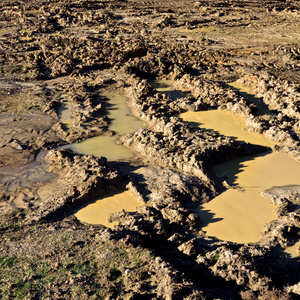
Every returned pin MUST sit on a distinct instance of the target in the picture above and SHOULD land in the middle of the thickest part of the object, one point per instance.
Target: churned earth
(61, 63)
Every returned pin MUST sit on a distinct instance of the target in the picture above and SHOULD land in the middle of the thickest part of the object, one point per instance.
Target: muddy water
(293, 251)
(226, 123)
(65, 116)
(99, 211)
(122, 123)
(26, 176)
(165, 86)
(249, 95)
(240, 214)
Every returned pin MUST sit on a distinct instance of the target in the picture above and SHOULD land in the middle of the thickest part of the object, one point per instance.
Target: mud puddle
(122, 123)
(100, 210)
(65, 115)
(293, 251)
(240, 213)
(249, 95)
(166, 87)
(26, 176)
(225, 123)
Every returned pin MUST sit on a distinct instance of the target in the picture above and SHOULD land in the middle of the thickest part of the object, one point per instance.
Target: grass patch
(72, 269)
(22, 102)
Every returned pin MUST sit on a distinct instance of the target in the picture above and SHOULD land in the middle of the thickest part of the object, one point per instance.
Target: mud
(66, 54)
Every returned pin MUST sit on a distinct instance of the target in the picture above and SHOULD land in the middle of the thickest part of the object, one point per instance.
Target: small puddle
(166, 87)
(28, 175)
(30, 178)
(65, 115)
(99, 211)
(293, 251)
(122, 123)
(249, 95)
(240, 214)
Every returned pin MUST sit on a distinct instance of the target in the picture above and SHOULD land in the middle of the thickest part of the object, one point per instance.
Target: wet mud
(176, 64)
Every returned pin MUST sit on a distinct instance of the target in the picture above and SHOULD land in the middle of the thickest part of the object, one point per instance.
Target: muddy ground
(54, 53)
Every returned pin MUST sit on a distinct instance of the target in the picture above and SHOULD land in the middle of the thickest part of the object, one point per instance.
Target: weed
(8, 261)
(9, 226)
(216, 257)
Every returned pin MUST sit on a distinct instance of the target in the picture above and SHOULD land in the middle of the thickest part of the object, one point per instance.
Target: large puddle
(121, 123)
(241, 213)
(99, 211)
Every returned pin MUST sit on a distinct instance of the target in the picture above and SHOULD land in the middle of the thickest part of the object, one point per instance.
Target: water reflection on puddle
(240, 214)
(122, 123)
(99, 211)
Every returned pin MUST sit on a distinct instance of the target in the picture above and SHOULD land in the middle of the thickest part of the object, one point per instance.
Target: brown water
(225, 123)
(121, 123)
(99, 211)
(165, 86)
(249, 95)
(240, 214)
(293, 251)
(65, 116)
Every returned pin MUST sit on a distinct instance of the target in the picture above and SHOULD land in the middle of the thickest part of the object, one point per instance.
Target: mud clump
(66, 55)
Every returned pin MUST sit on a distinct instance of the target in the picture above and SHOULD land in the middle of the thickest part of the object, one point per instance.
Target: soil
(56, 54)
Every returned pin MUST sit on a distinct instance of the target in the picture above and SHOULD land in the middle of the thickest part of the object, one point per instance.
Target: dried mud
(55, 54)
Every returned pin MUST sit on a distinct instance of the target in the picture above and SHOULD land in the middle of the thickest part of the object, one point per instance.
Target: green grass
(8, 261)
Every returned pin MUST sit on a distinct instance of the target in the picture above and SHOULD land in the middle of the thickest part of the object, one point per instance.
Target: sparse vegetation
(83, 268)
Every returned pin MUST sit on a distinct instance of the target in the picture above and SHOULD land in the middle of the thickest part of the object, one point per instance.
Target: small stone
(20, 147)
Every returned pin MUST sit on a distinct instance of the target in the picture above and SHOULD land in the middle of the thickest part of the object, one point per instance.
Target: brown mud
(67, 54)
